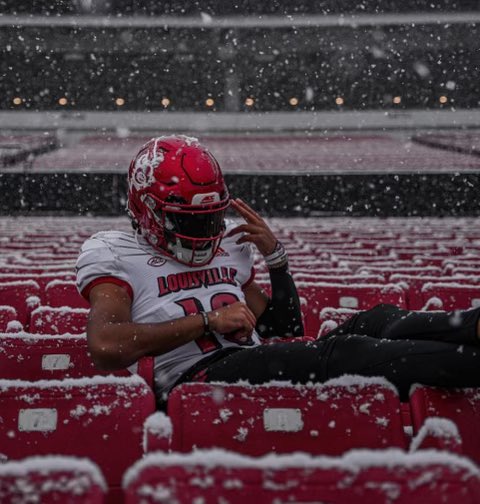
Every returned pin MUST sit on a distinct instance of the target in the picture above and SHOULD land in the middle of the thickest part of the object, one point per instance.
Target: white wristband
(278, 257)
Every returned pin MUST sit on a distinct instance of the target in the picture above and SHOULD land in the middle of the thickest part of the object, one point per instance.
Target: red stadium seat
(50, 320)
(331, 318)
(358, 297)
(27, 356)
(330, 418)
(338, 279)
(414, 285)
(64, 293)
(461, 406)
(100, 418)
(360, 477)
(388, 271)
(28, 269)
(23, 295)
(51, 479)
(8, 314)
(450, 296)
(438, 434)
(42, 278)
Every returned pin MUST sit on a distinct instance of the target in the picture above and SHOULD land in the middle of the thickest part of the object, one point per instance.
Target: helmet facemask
(190, 234)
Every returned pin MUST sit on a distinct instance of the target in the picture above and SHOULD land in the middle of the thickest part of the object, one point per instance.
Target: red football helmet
(177, 198)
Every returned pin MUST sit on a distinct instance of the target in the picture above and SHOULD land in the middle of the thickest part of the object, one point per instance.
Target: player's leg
(391, 322)
(299, 362)
(402, 362)
(405, 362)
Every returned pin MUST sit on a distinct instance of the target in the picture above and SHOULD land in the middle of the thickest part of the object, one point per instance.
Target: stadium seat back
(50, 320)
(25, 356)
(42, 279)
(330, 418)
(8, 314)
(23, 295)
(64, 293)
(331, 318)
(100, 418)
(361, 477)
(357, 297)
(451, 296)
(461, 406)
(50, 479)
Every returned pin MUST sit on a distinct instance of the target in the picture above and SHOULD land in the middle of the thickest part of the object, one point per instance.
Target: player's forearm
(282, 316)
(116, 345)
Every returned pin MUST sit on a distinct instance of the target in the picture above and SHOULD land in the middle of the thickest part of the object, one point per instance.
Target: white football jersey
(162, 289)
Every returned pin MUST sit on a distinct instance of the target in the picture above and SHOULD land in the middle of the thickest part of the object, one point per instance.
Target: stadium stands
(50, 389)
(326, 94)
(361, 476)
(48, 416)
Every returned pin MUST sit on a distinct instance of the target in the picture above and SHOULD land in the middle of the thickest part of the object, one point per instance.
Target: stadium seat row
(256, 427)
(363, 476)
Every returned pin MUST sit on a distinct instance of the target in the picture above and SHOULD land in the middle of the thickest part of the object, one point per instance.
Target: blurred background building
(239, 56)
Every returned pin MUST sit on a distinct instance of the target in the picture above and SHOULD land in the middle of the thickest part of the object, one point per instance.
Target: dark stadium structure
(352, 127)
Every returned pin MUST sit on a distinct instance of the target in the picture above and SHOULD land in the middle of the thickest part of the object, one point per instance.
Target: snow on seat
(319, 295)
(100, 418)
(336, 278)
(330, 418)
(58, 320)
(41, 278)
(64, 293)
(8, 314)
(360, 477)
(438, 434)
(23, 295)
(450, 296)
(28, 356)
(387, 271)
(461, 406)
(414, 284)
(331, 318)
(466, 271)
(9, 269)
(51, 479)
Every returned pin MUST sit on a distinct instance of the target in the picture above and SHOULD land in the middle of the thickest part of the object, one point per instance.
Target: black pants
(431, 348)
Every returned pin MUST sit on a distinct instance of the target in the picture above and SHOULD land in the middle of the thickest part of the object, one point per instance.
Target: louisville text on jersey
(194, 279)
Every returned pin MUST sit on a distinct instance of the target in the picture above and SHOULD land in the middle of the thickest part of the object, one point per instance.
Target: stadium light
(293, 101)
(443, 99)
(397, 100)
(120, 102)
(249, 102)
(165, 102)
(339, 100)
(62, 101)
(209, 102)
(17, 100)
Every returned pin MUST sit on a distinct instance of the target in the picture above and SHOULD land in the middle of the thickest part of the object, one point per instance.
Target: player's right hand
(236, 317)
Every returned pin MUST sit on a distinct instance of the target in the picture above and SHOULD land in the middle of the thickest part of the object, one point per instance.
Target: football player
(180, 287)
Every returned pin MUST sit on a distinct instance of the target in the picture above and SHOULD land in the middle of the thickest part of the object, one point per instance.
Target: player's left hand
(256, 229)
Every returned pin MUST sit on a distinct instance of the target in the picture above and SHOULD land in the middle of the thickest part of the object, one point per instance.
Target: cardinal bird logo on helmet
(177, 198)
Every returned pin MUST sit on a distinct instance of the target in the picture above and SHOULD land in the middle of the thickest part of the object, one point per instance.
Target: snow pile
(35, 476)
(441, 428)
(158, 425)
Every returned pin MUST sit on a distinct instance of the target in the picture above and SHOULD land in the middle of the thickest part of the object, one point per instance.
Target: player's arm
(279, 315)
(115, 342)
